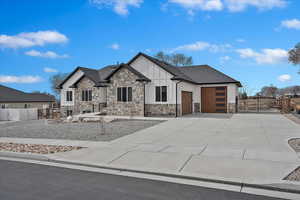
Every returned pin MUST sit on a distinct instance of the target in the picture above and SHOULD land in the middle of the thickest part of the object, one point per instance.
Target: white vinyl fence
(18, 114)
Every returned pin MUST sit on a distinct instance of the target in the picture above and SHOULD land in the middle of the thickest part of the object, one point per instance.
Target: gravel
(295, 144)
(294, 176)
(35, 148)
(74, 131)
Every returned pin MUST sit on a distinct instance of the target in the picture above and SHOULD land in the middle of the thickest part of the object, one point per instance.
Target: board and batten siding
(66, 87)
(158, 77)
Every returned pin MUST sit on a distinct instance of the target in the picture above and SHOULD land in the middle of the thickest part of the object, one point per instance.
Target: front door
(186, 102)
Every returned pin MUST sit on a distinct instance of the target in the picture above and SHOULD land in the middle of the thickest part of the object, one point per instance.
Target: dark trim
(68, 77)
(131, 69)
(181, 79)
(152, 60)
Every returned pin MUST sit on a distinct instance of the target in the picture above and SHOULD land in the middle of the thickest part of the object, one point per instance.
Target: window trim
(160, 90)
(69, 96)
(87, 95)
(128, 93)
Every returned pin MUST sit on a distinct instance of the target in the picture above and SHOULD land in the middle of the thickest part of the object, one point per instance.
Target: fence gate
(258, 105)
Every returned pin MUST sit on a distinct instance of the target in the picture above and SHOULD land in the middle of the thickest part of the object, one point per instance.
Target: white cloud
(200, 46)
(266, 56)
(47, 54)
(291, 24)
(199, 4)
(19, 79)
(224, 59)
(50, 70)
(119, 6)
(284, 78)
(240, 40)
(115, 46)
(30, 39)
(241, 5)
(231, 5)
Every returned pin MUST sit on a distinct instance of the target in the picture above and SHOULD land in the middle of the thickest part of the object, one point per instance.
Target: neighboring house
(12, 98)
(146, 86)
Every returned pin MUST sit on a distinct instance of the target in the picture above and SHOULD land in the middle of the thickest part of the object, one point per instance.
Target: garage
(186, 102)
(214, 99)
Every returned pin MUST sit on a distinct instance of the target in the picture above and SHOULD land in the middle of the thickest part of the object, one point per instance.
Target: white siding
(158, 77)
(66, 88)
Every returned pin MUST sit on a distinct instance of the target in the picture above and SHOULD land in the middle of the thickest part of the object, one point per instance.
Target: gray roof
(205, 74)
(196, 74)
(12, 95)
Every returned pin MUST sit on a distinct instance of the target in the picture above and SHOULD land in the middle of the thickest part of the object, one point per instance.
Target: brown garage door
(187, 102)
(214, 100)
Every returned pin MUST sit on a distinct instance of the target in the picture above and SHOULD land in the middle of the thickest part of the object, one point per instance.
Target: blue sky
(245, 39)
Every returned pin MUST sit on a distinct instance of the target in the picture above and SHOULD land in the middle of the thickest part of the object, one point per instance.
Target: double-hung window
(86, 95)
(161, 94)
(69, 96)
(124, 94)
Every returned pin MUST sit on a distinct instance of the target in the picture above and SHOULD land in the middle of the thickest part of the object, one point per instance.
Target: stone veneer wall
(79, 105)
(196, 107)
(125, 78)
(162, 109)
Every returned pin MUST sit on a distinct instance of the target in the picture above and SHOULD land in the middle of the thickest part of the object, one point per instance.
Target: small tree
(294, 55)
(175, 59)
(55, 80)
(269, 91)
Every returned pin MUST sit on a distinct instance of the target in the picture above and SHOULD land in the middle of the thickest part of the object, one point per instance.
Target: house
(146, 86)
(12, 98)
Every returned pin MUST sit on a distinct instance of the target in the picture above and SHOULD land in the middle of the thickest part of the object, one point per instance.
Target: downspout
(176, 106)
(144, 99)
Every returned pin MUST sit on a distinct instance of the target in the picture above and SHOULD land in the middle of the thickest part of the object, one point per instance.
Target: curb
(232, 183)
(27, 156)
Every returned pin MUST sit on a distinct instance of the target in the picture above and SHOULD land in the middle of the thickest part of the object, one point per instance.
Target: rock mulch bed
(294, 176)
(295, 144)
(36, 148)
(92, 131)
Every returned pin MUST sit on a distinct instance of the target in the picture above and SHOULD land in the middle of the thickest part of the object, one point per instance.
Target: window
(161, 94)
(69, 113)
(69, 96)
(124, 94)
(86, 95)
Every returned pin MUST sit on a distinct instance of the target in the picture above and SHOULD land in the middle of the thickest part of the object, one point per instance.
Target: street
(24, 181)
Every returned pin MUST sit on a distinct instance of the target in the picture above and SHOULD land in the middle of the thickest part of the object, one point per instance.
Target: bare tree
(269, 91)
(55, 80)
(294, 55)
(175, 59)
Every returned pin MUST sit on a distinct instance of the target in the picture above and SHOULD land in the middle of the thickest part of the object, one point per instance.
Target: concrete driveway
(245, 148)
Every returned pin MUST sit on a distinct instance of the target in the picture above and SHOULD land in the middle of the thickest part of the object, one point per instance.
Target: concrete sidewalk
(246, 148)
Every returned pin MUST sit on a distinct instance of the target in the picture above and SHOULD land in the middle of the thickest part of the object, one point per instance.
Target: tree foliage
(268, 91)
(55, 80)
(294, 55)
(177, 59)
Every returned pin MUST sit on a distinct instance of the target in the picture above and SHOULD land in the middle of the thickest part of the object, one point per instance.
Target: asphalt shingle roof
(12, 95)
(196, 74)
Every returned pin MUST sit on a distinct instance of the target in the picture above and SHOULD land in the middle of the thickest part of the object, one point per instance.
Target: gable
(149, 68)
(72, 79)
